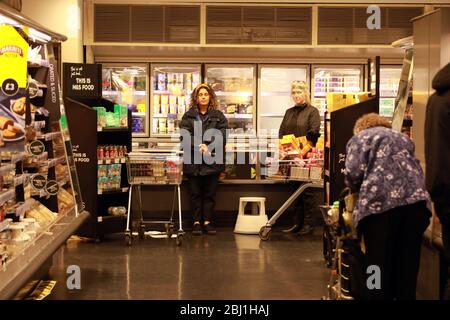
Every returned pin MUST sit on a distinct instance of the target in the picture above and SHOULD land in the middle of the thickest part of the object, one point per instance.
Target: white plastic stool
(251, 223)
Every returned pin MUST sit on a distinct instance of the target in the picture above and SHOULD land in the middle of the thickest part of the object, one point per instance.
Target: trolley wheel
(128, 239)
(169, 230)
(142, 231)
(265, 232)
(179, 239)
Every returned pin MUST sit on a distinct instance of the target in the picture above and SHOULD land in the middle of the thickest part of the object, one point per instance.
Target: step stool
(251, 223)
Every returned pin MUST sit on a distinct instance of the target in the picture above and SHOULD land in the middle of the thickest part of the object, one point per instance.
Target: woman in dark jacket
(302, 120)
(391, 213)
(203, 133)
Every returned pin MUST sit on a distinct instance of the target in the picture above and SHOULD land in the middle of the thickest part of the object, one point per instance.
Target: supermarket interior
(98, 200)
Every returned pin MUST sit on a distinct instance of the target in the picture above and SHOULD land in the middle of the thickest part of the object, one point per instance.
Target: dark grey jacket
(214, 119)
(437, 140)
(301, 120)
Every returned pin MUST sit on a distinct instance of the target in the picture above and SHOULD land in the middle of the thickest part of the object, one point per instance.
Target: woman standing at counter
(203, 132)
(302, 120)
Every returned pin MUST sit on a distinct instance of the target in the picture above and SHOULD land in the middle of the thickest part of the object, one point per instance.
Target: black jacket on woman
(437, 140)
(212, 119)
(301, 120)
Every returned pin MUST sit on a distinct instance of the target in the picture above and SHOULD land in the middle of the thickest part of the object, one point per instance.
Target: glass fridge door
(235, 88)
(171, 88)
(389, 81)
(274, 95)
(126, 84)
(334, 79)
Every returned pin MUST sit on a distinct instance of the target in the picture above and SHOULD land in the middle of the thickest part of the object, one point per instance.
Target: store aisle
(225, 266)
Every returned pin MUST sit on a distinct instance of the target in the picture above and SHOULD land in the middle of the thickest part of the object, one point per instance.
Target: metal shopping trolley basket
(307, 171)
(343, 251)
(154, 169)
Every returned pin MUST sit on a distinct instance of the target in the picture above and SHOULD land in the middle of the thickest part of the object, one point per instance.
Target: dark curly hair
(212, 97)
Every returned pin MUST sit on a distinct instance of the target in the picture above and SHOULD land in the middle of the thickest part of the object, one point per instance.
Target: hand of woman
(203, 148)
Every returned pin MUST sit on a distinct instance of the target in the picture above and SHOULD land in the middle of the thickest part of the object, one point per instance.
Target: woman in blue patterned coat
(392, 212)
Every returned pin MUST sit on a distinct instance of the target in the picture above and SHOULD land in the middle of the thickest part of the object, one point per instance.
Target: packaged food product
(162, 125)
(164, 109)
(122, 112)
(161, 83)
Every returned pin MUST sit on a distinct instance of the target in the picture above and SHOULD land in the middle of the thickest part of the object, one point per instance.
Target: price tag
(36, 148)
(38, 181)
(52, 187)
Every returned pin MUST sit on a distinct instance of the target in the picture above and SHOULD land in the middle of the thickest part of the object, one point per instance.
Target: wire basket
(297, 170)
(154, 169)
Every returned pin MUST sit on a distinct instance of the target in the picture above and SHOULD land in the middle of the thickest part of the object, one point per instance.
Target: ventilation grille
(112, 23)
(348, 25)
(258, 25)
(146, 23)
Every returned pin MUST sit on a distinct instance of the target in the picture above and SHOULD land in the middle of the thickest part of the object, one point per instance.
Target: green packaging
(101, 117)
(110, 119)
(122, 111)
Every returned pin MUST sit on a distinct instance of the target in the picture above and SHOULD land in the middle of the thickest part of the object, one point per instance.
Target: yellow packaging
(339, 100)
(13, 56)
(362, 96)
(320, 143)
(290, 140)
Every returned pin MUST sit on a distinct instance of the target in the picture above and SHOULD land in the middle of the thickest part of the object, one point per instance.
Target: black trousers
(202, 190)
(304, 206)
(393, 241)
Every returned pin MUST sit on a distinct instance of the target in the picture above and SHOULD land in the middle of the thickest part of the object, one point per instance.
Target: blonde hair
(301, 85)
(370, 120)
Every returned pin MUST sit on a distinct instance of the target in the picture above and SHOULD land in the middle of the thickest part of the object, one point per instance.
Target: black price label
(82, 80)
(10, 87)
(52, 187)
(36, 148)
(38, 182)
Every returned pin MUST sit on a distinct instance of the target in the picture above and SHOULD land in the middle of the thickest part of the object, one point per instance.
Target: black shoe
(208, 228)
(306, 230)
(197, 231)
(294, 229)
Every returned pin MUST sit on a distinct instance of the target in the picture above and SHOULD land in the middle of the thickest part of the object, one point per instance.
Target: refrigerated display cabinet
(274, 94)
(171, 88)
(235, 87)
(389, 81)
(127, 85)
(342, 78)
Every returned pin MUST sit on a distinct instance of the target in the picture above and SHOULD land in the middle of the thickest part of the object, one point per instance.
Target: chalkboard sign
(82, 80)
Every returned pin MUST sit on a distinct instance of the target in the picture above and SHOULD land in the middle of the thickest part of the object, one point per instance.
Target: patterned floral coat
(380, 163)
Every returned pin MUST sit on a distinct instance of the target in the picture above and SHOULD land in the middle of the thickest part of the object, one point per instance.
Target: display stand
(86, 139)
(41, 202)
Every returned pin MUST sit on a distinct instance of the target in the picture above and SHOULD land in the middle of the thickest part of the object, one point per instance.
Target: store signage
(38, 182)
(52, 187)
(36, 148)
(82, 80)
(52, 102)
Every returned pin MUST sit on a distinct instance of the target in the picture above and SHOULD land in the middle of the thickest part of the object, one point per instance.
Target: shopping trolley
(342, 248)
(307, 171)
(154, 169)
